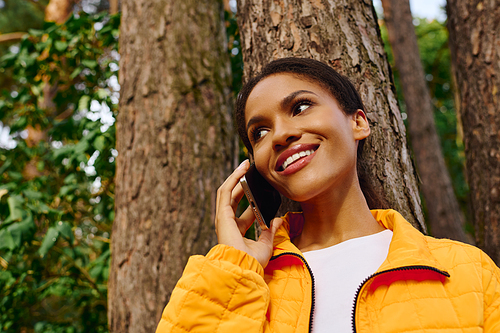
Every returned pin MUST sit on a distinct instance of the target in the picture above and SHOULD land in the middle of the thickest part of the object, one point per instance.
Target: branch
(11, 36)
(81, 269)
(73, 263)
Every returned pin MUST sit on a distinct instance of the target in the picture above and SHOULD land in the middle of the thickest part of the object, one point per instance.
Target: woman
(336, 266)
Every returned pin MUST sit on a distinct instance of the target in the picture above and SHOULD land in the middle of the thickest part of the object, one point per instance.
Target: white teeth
(295, 157)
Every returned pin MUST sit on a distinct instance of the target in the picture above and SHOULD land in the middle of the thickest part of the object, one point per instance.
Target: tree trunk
(58, 10)
(176, 145)
(113, 6)
(345, 35)
(444, 214)
(475, 52)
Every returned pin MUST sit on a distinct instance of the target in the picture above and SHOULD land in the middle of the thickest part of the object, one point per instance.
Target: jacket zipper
(353, 316)
(312, 280)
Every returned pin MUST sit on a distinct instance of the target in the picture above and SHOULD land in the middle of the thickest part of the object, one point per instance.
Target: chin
(298, 196)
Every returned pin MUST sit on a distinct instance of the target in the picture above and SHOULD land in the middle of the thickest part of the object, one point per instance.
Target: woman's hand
(231, 229)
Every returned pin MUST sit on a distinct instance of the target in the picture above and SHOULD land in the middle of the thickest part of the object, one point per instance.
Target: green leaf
(24, 98)
(8, 56)
(64, 228)
(81, 146)
(102, 93)
(44, 208)
(96, 271)
(24, 59)
(36, 89)
(7, 278)
(98, 265)
(71, 178)
(100, 143)
(15, 176)
(33, 194)
(36, 33)
(15, 207)
(75, 73)
(83, 104)
(19, 125)
(64, 151)
(48, 241)
(6, 240)
(67, 189)
(89, 63)
(60, 45)
(21, 231)
(5, 166)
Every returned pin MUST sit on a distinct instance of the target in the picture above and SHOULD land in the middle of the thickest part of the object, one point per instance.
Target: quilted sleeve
(491, 283)
(223, 291)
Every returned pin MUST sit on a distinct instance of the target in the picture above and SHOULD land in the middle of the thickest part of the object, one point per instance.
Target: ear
(361, 128)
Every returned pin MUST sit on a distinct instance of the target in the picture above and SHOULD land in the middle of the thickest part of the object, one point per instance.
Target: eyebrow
(283, 104)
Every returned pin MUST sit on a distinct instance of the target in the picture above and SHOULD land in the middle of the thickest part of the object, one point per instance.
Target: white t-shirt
(338, 272)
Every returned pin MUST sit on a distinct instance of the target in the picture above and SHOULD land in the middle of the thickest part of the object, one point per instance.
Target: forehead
(270, 91)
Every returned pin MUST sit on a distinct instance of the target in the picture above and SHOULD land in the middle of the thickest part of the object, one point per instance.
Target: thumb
(267, 236)
(275, 225)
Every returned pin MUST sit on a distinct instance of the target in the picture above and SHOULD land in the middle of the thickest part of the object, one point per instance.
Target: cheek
(263, 164)
(261, 160)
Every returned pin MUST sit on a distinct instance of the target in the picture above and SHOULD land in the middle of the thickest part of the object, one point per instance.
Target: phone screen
(264, 199)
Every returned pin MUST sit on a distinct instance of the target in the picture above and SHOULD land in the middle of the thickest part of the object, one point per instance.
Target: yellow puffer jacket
(424, 285)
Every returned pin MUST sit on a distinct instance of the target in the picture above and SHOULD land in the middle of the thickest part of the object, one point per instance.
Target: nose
(285, 132)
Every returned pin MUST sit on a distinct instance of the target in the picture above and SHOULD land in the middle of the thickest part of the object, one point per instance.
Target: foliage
(234, 49)
(432, 40)
(56, 192)
(17, 14)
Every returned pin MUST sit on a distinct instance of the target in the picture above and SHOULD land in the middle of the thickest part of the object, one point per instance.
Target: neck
(335, 218)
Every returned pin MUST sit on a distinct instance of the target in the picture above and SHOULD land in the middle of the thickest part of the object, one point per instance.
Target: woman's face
(303, 143)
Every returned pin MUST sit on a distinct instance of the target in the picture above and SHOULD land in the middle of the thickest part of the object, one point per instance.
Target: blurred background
(59, 95)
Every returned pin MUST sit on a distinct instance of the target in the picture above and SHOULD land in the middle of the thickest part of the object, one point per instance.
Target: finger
(225, 190)
(267, 236)
(236, 196)
(248, 214)
(245, 220)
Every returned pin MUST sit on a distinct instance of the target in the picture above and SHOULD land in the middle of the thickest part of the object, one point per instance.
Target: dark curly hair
(338, 85)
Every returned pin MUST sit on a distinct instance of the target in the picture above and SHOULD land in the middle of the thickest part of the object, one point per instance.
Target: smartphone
(264, 199)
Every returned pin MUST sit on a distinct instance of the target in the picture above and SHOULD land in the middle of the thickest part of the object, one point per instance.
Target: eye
(258, 133)
(301, 106)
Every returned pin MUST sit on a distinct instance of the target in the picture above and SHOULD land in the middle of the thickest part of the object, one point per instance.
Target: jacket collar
(408, 245)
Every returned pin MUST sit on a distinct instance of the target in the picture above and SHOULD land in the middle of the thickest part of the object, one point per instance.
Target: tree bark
(345, 35)
(113, 6)
(475, 52)
(444, 214)
(176, 145)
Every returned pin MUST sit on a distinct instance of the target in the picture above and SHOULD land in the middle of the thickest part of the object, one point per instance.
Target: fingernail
(242, 164)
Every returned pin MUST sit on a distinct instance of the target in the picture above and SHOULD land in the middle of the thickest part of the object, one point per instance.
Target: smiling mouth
(301, 151)
(294, 158)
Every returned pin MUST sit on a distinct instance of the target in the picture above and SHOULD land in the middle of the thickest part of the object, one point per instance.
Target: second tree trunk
(445, 217)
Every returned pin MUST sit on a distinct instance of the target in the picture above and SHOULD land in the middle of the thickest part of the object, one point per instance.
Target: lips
(294, 154)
